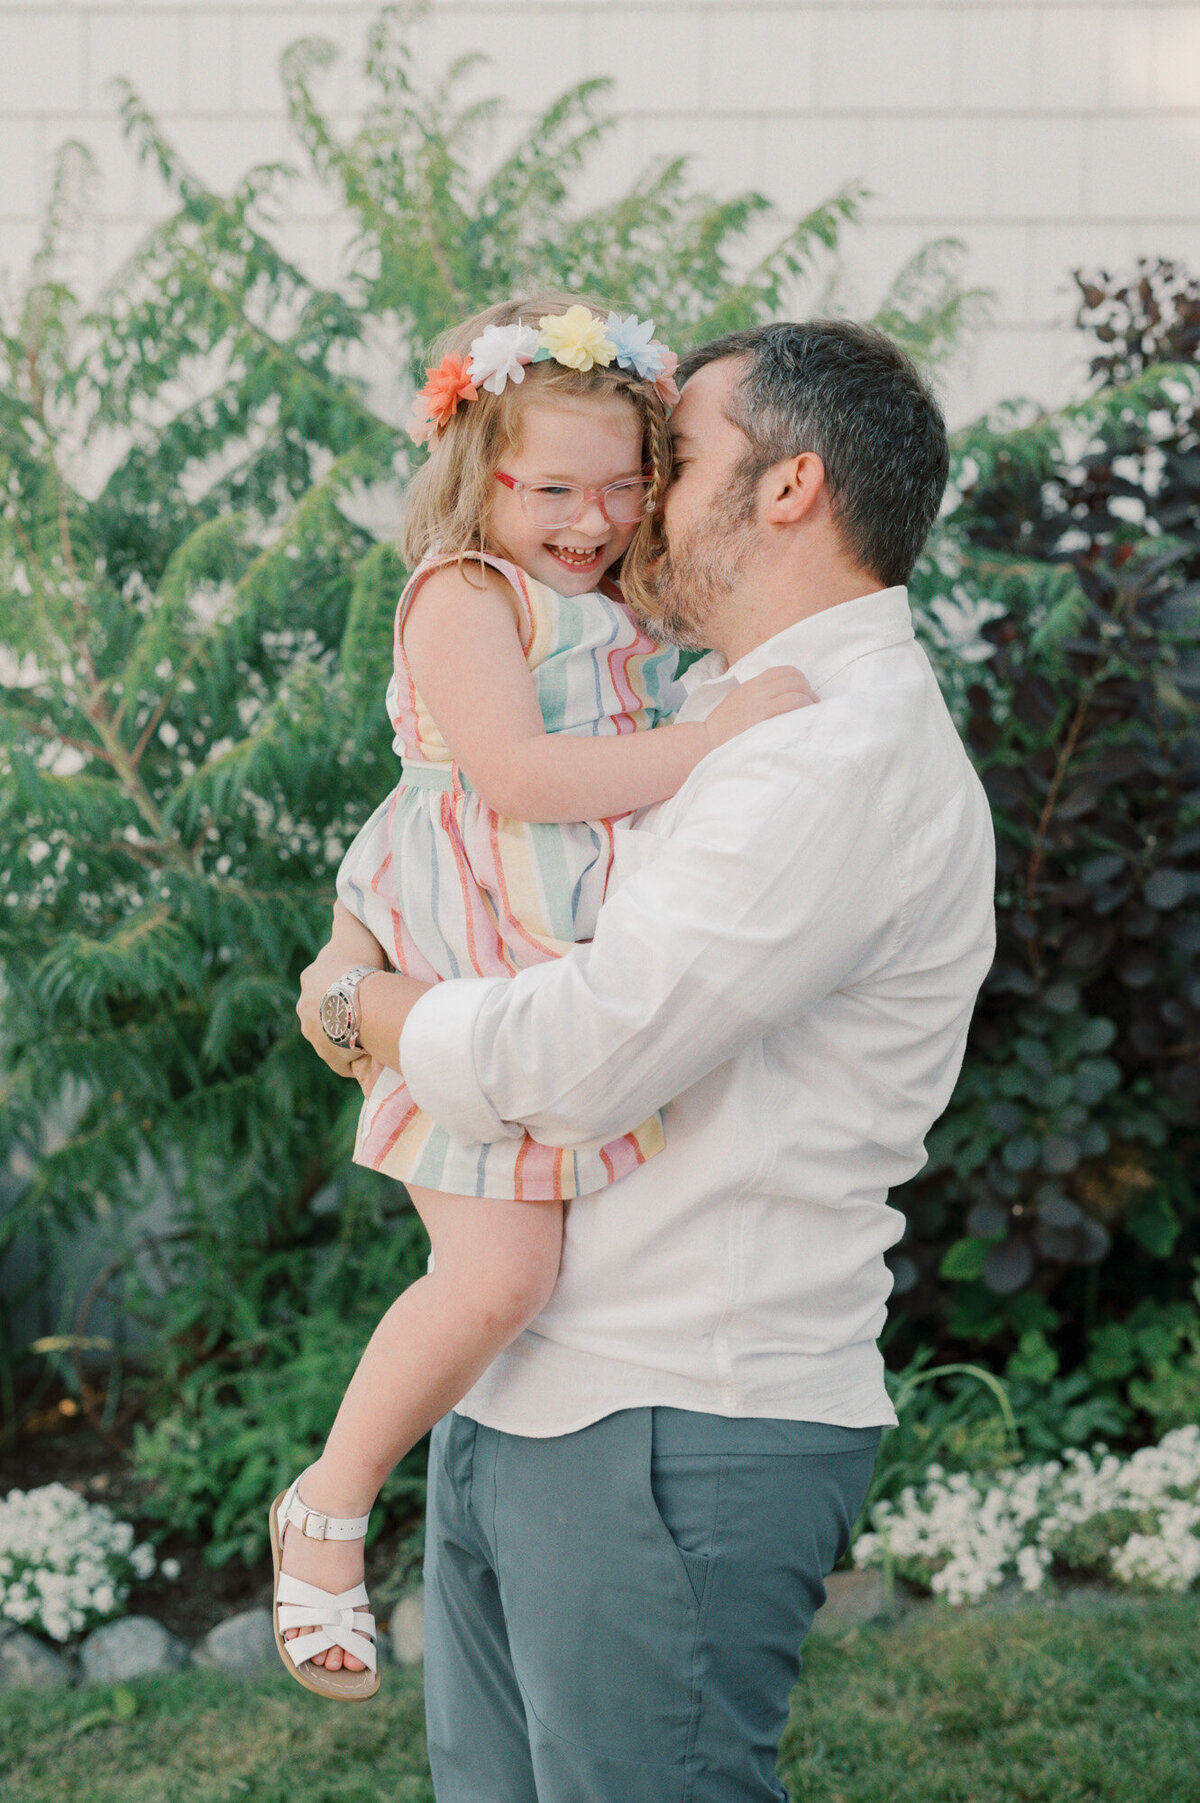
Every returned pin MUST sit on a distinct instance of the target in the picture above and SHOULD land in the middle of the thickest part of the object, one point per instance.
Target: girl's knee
(498, 1259)
(514, 1290)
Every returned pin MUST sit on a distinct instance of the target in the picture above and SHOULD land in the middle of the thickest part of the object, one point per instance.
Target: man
(632, 1514)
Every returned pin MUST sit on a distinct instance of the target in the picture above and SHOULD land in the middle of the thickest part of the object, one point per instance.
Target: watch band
(340, 1017)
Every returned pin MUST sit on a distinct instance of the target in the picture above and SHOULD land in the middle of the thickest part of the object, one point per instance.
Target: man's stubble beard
(699, 568)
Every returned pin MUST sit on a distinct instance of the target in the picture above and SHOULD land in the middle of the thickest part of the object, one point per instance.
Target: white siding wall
(1043, 135)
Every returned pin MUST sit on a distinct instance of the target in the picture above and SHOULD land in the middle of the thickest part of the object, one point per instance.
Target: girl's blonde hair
(449, 502)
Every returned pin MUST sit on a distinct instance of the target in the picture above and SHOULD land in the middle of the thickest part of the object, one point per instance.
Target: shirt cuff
(437, 1060)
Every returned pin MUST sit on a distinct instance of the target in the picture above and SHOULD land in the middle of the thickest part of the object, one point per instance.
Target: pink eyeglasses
(552, 505)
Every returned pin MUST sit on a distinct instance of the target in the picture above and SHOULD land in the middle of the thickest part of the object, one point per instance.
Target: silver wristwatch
(339, 1007)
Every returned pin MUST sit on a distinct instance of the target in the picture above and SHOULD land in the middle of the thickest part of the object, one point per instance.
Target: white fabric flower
(499, 355)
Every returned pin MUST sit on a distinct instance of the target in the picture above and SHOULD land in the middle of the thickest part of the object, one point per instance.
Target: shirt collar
(821, 645)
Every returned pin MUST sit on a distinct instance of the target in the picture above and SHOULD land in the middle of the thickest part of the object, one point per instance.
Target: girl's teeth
(579, 557)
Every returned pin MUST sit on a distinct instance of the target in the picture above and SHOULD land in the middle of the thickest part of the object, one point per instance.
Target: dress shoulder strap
(516, 577)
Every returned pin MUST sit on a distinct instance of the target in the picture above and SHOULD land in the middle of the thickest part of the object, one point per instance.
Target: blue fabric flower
(634, 345)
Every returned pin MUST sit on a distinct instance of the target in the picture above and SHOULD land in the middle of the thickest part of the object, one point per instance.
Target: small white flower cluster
(65, 1564)
(1136, 1520)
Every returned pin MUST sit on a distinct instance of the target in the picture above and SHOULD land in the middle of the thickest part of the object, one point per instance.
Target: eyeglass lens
(561, 505)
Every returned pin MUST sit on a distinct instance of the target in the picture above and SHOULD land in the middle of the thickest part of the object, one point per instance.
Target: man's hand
(780, 690)
(365, 1070)
(349, 944)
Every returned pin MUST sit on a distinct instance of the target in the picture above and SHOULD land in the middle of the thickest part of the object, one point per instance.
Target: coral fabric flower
(499, 355)
(576, 338)
(635, 345)
(419, 424)
(664, 382)
(448, 384)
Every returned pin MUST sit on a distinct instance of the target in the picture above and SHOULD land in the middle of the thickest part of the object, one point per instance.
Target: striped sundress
(450, 888)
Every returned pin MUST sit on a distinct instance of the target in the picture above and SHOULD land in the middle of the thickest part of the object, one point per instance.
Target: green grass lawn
(1095, 1700)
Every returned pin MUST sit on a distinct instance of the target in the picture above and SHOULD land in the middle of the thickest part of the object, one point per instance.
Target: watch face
(337, 1017)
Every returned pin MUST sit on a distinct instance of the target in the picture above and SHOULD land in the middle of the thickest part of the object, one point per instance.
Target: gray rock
(851, 1598)
(408, 1629)
(136, 1647)
(27, 1663)
(243, 1645)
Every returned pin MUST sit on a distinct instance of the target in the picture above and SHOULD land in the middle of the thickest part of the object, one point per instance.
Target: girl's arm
(463, 646)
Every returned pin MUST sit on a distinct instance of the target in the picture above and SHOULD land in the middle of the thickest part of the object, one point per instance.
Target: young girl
(522, 691)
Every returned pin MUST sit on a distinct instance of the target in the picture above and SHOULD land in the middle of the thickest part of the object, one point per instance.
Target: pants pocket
(601, 1606)
(685, 1490)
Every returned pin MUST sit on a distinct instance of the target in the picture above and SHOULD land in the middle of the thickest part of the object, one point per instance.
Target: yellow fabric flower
(576, 338)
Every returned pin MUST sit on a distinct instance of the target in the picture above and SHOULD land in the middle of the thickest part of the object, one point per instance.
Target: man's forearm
(773, 888)
(352, 940)
(385, 1002)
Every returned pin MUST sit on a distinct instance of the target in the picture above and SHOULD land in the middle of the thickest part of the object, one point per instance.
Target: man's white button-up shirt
(786, 963)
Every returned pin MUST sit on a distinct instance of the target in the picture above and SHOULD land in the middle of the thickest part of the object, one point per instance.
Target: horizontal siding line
(368, 9)
(952, 223)
(698, 116)
(937, 225)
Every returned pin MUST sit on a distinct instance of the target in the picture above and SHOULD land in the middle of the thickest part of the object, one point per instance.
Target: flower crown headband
(576, 339)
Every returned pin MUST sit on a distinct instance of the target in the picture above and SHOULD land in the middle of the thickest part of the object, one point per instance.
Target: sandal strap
(299, 1591)
(315, 1523)
(325, 1634)
(306, 1646)
(335, 1619)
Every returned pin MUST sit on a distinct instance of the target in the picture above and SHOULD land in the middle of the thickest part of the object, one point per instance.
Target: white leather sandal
(336, 1620)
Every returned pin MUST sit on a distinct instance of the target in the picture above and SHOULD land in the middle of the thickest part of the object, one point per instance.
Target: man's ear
(795, 487)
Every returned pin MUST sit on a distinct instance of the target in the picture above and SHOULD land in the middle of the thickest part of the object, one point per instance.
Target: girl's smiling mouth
(575, 558)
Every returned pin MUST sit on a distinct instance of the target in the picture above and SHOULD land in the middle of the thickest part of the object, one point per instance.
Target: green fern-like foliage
(198, 483)
(1062, 1179)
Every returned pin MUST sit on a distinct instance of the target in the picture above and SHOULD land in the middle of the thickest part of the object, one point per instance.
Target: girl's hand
(777, 691)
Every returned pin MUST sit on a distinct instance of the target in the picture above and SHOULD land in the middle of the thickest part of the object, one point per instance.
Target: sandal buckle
(311, 1532)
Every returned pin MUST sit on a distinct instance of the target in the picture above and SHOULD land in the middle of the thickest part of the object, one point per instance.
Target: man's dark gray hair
(851, 396)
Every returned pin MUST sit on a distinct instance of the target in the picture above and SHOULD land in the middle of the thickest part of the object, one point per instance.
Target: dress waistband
(431, 776)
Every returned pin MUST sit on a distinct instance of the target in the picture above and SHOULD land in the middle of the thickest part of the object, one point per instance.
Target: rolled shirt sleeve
(437, 1058)
(776, 885)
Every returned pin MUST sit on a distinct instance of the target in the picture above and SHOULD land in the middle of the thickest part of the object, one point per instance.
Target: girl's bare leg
(495, 1265)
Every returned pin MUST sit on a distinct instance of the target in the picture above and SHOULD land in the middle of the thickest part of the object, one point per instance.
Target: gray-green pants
(615, 1615)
